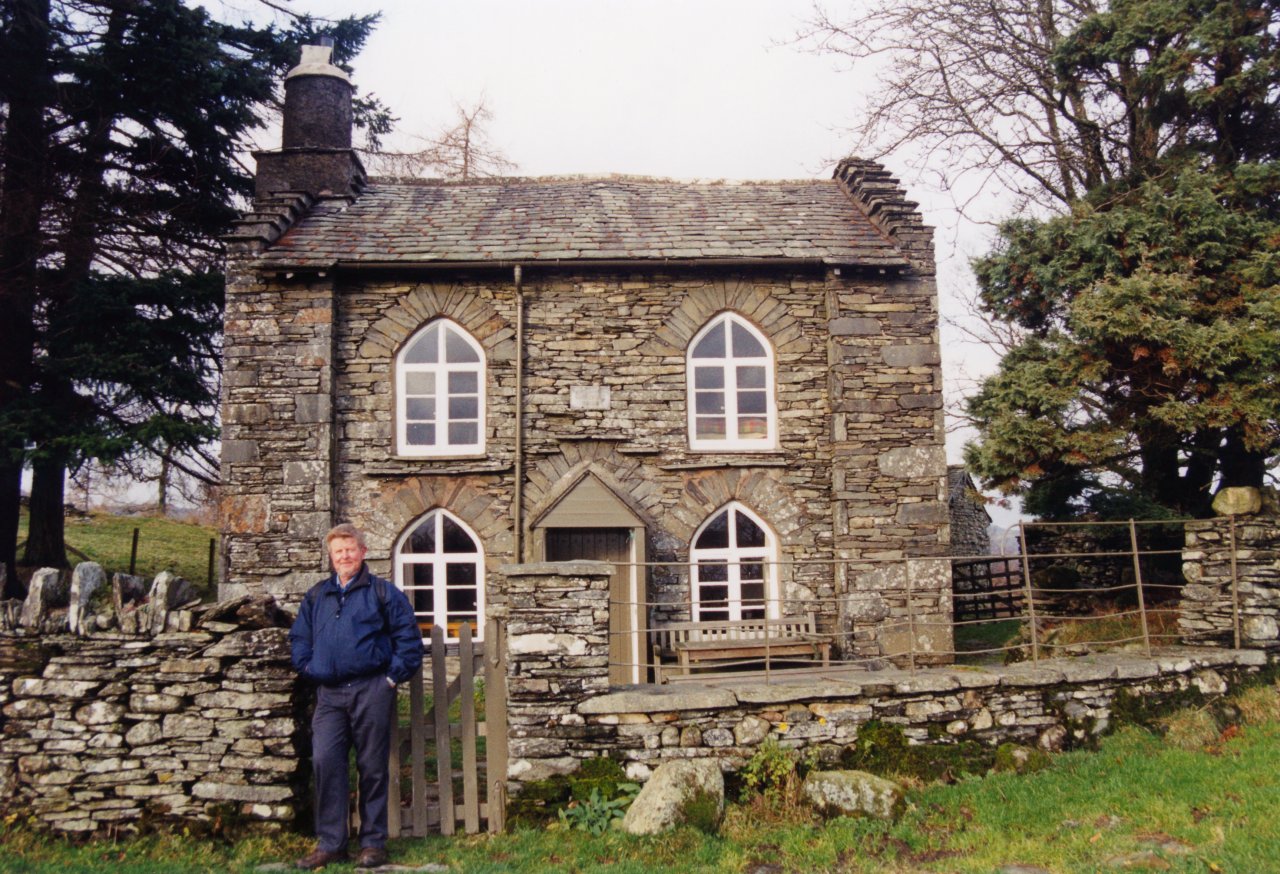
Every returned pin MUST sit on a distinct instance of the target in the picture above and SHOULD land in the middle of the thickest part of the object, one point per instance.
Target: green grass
(163, 544)
(1138, 802)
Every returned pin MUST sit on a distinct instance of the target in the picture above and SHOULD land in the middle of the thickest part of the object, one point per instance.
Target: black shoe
(318, 858)
(372, 857)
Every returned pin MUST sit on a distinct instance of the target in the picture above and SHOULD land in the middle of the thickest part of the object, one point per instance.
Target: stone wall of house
(562, 712)
(277, 421)
(858, 472)
(1210, 604)
(104, 731)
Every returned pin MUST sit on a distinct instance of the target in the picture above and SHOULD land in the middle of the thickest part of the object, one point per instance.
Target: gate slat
(418, 755)
(466, 677)
(444, 758)
(495, 751)
(393, 774)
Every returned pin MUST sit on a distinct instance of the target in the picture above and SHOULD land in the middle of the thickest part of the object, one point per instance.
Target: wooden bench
(699, 643)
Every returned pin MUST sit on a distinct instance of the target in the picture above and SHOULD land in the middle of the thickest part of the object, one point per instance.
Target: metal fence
(1120, 592)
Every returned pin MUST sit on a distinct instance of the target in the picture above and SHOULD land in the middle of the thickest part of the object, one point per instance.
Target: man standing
(355, 637)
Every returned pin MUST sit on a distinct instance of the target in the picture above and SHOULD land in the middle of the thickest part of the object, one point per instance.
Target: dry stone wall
(562, 711)
(103, 731)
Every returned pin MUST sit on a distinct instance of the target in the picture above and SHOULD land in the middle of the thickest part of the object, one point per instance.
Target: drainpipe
(517, 506)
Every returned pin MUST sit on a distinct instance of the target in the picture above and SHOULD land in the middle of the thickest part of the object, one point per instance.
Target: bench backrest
(667, 636)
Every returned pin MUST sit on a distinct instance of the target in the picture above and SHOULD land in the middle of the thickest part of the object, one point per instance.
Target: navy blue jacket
(342, 635)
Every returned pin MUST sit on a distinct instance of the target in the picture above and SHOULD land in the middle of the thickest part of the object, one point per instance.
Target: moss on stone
(883, 749)
(540, 801)
(703, 812)
(1019, 759)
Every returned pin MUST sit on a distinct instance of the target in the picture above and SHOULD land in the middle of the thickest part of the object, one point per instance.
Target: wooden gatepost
(469, 785)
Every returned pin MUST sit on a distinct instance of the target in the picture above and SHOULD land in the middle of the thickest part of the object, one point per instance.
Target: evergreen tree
(1150, 312)
(123, 127)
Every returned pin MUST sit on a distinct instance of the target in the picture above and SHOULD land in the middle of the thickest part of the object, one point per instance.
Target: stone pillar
(557, 616)
(1212, 597)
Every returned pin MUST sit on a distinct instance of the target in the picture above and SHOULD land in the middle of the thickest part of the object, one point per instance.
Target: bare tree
(972, 84)
(461, 152)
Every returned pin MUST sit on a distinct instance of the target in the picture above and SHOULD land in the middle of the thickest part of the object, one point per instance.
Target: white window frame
(728, 368)
(439, 561)
(734, 557)
(442, 370)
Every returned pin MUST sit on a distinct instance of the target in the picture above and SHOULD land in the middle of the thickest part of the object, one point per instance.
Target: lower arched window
(440, 566)
(733, 575)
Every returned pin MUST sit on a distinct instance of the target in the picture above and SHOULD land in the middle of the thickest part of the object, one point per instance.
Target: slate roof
(582, 219)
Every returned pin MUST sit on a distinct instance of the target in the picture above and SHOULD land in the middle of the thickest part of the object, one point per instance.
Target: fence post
(1235, 589)
(444, 745)
(213, 549)
(1031, 601)
(1137, 578)
(133, 553)
(911, 620)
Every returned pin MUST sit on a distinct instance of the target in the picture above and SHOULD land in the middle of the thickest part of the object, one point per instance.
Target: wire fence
(1104, 587)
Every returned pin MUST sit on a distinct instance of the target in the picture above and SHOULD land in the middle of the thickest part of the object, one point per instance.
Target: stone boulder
(852, 793)
(686, 792)
(48, 591)
(169, 592)
(1237, 501)
(87, 578)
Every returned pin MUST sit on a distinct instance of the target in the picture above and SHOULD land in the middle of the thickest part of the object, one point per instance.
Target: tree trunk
(162, 486)
(1241, 466)
(23, 149)
(46, 546)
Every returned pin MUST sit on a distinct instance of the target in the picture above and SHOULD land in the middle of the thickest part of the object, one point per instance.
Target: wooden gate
(449, 765)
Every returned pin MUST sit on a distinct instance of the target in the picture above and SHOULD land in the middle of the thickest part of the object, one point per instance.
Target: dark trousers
(357, 714)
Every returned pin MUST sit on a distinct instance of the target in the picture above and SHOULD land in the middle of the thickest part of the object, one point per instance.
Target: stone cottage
(740, 379)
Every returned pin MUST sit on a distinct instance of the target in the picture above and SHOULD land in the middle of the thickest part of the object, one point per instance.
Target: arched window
(734, 574)
(440, 393)
(440, 566)
(729, 372)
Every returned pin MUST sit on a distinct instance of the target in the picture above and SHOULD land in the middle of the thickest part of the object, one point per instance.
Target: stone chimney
(316, 155)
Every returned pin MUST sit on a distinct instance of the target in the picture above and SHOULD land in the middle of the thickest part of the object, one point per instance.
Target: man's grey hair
(343, 531)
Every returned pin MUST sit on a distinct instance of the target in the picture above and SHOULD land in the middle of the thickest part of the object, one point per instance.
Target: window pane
(753, 592)
(422, 541)
(426, 349)
(714, 615)
(708, 377)
(455, 539)
(457, 349)
(420, 409)
(710, 428)
(709, 402)
(463, 382)
(461, 575)
(463, 434)
(421, 435)
(716, 534)
(423, 596)
(753, 612)
(751, 377)
(420, 383)
(748, 532)
(756, 428)
(752, 402)
(463, 408)
(461, 600)
(712, 572)
(745, 344)
(713, 596)
(751, 570)
(712, 344)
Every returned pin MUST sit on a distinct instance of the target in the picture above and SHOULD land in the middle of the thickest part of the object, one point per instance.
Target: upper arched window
(440, 393)
(439, 564)
(733, 574)
(730, 387)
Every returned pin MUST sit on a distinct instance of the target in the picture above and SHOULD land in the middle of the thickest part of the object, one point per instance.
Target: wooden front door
(612, 545)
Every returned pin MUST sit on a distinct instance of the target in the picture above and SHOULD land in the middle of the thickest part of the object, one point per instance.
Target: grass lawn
(163, 544)
(1188, 802)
